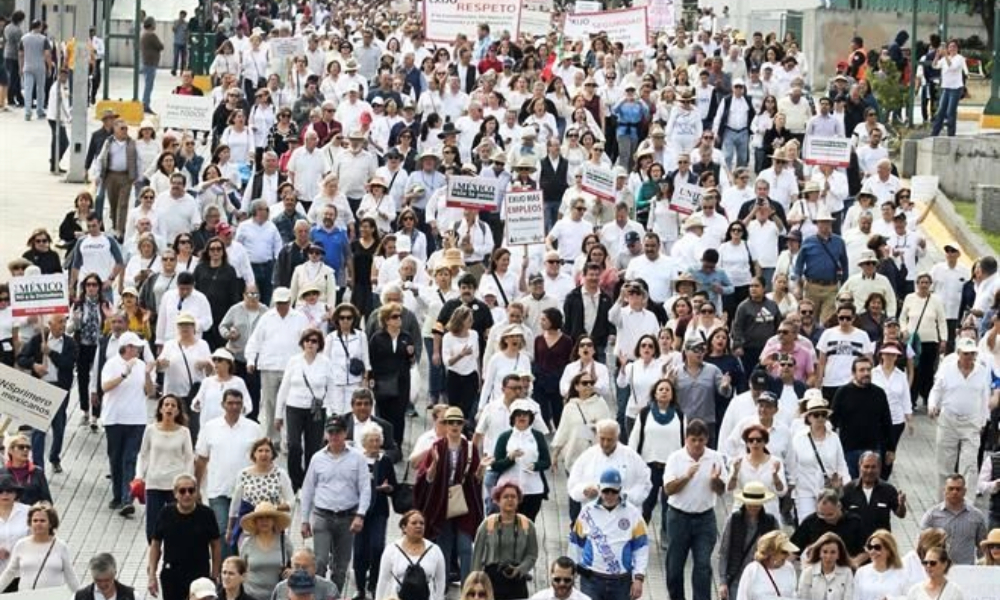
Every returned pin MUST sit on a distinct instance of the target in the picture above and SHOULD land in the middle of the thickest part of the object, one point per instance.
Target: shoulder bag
(827, 479)
(317, 403)
(194, 387)
(914, 339)
(355, 366)
(44, 560)
(457, 506)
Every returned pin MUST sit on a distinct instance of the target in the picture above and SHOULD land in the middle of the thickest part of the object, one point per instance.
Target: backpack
(414, 585)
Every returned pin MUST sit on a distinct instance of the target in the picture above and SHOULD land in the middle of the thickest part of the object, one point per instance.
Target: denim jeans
(551, 214)
(601, 588)
(220, 507)
(262, 273)
(148, 78)
(947, 109)
(59, 144)
(34, 88)
(368, 548)
(124, 442)
(156, 500)
(695, 534)
(332, 543)
(435, 380)
(736, 144)
(452, 538)
(180, 56)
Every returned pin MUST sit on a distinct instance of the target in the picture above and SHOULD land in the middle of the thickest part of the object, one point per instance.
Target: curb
(973, 246)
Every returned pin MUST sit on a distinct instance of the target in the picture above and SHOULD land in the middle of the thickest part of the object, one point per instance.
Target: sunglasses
(396, 316)
(42, 241)
(562, 580)
(611, 491)
(929, 563)
(843, 318)
(874, 547)
(21, 447)
(646, 345)
(755, 440)
(707, 311)
(806, 312)
(787, 364)
(582, 344)
(345, 318)
(476, 594)
(186, 491)
(455, 422)
(587, 383)
(310, 341)
(784, 331)
(92, 284)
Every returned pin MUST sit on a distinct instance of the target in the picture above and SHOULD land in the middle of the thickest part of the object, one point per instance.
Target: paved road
(30, 197)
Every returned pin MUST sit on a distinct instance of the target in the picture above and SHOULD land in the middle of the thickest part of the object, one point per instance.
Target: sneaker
(114, 505)
(57, 467)
(93, 424)
(84, 419)
(27, 117)
(127, 510)
(411, 411)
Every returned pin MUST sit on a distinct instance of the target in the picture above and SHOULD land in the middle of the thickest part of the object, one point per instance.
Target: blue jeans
(551, 214)
(34, 88)
(736, 143)
(623, 395)
(694, 533)
(601, 588)
(180, 56)
(262, 273)
(947, 109)
(368, 547)
(156, 500)
(148, 78)
(453, 538)
(220, 507)
(435, 380)
(124, 442)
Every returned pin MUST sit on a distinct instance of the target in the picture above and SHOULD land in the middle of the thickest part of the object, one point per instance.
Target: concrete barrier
(988, 207)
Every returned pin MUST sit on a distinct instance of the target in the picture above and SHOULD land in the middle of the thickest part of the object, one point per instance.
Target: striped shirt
(966, 528)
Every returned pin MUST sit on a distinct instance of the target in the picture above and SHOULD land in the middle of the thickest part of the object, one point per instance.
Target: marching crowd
(732, 325)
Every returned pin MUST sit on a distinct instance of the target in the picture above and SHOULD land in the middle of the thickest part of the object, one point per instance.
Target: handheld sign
(477, 193)
(34, 295)
(525, 218)
(187, 112)
(27, 400)
(599, 181)
(686, 199)
(445, 19)
(827, 151)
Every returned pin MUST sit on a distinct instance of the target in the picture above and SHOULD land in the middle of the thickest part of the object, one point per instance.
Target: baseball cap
(611, 479)
(758, 379)
(130, 339)
(336, 423)
(632, 237)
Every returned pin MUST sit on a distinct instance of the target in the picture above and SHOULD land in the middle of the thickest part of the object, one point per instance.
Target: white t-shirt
(569, 234)
(126, 403)
(841, 349)
(227, 449)
(696, 496)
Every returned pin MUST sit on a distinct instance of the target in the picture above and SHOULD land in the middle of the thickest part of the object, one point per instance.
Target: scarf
(90, 331)
(662, 417)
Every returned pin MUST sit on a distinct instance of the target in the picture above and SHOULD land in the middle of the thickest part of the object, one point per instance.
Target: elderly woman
(506, 545)
(165, 453)
(263, 481)
(771, 573)
(828, 573)
(742, 530)
(185, 361)
(522, 455)
(452, 460)
(369, 543)
(815, 456)
(265, 548)
(413, 548)
(41, 558)
(30, 478)
(391, 351)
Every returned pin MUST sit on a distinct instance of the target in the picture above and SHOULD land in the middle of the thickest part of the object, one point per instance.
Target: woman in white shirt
(460, 354)
(147, 147)
(262, 118)
(771, 574)
(330, 195)
(315, 273)
(225, 63)
(953, 68)
(815, 456)
(41, 560)
(897, 391)
(165, 453)
(159, 179)
(758, 464)
(828, 573)
(929, 538)
(521, 456)
(147, 196)
(412, 548)
(239, 138)
(884, 577)
(936, 564)
(658, 432)
(347, 350)
(185, 361)
(585, 360)
(739, 263)
(379, 205)
(13, 518)
(511, 358)
(578, 426)
(639, 376)
(207, 405)
(306, 387)
(142, 264)
(255, 60)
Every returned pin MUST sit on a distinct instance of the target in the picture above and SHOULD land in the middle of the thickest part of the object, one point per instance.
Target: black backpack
(414, 585)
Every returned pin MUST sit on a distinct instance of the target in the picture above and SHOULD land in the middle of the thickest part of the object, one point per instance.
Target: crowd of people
(294, 290)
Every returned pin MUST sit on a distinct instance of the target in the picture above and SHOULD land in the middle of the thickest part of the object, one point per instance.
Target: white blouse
(208, 402)
(28, 562)
(393, 565)
(639, 377)
(734, 259)
(897, 392)
(12, 529)
(869, 584)
(576, 430)
(296, 393)
(452, 346)
(659, 442)
(804, 470)
(602, 387)
(522, 472)
(756, 585)
(182, 372)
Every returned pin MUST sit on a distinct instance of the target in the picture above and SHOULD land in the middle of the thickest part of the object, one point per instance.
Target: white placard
(445, 19)
(536, 17)
(285, 48)
(627, 26)
(34, 295)
(827, 151)
(976, 583)
(477, 193)
(660, 14)
(524, 214)
(27, 400)
(599, 181)
(686, 198)
(187, 112)
(587, 6)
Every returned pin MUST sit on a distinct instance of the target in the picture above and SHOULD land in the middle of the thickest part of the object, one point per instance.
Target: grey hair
(271, 154)
(103, 564)
(608, 425)
(390, 289)
(372, 429)
(869, 454)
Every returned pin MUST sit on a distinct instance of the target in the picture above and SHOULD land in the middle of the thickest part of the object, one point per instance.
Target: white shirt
(294, 392)
(549, 594)
(569, 235)
(631, 325)
(948, 284)
(805, 472)
(697, 495)
(593, 461)
(275, 339)
(172, 305)
(897, 391)
(208, 402)
(307, 169)
(175, 216)
(952, 68)
(393, 565)
(494, 419)
(758, 582)
(126, 403)
(840, 350)
(869, 584)
(261, 240)
(180, 376)
(961, 397)
(227, 448)
(658, 274)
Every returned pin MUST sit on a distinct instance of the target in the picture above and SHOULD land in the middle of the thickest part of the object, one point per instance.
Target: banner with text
(536, 17)
(686, 198)
(445, 19)
(660, 14)
(26, 400)
(187, 112)
(599, 182)
(827, 151)
(627, 25)
(477, 193)
(34, 295)
(525, 217)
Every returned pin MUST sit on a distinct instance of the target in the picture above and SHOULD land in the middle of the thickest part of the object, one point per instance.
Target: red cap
(842, 64)
(223, 228)
(366, 118)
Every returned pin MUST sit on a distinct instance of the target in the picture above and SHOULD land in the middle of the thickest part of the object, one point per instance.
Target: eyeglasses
(92, 284)
(345, 317)
(611, 491)
(409, 218)
(455, 422)
(587, 383)
(787, 364)
(186, 491)
(42, 241)
(736, 230)
(477, 594)
(646, 345)
(755, 440)
(805, 313)
(310, 341)
(929, 563)
(683, 162)
(21, 447)
(148, 196)
(707, 311)
(216, 249)
(554, 262)
(396, 316)
(874, 547)
(586, 344)
(580, 208)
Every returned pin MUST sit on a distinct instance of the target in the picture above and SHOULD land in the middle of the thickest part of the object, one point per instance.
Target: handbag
(355, 366)
(317, 403)
(457, 506)
(402, 494)
(914, 340)
(827, 479)
(194, 386)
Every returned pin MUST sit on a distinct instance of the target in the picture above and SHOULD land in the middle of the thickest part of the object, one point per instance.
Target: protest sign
(827, 151)
(536, 17)
(26, 400)
(976, 583)
(285, 48)
(477, 193)
(627, 25)
(686, 199)
(525, 217)
(660, 14)
(445, 19)
(187, 112)
(587, 6)
(599, 181)
(33, 295)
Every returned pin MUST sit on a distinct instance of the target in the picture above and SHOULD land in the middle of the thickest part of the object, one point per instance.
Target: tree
(986, 9)
(887, 85)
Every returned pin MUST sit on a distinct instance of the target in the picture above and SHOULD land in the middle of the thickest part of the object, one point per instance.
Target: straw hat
(454, 413)
(823, 214)
(693, 221)
(811, 187)
(452, 257)
(993, 539)
(816, 405)
(754, 494)
(265, 510)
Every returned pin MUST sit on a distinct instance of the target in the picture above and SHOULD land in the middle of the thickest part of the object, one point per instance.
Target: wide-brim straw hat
(754, 494)
(266, 510)
(993, 539)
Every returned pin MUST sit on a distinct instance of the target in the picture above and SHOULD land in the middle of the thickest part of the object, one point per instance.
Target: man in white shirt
(870, 154)
(613, 233)
(557, 282)
(562, 576)
(175, 211)
(354, 168)
(453, 100)
(863, 284)
(264, 185)
(97, 253)
(907, 248)
(949, 279)
(656, 269)
(126, 380)
(715, 223)
(568, 233)
(781, 179)
(306, 167)
(182, 299)
(608, 453)
(538, 300)
(688, 250)
(272, 343)
(262, 241)
(222, 451)
(856, 240)
(883, 183)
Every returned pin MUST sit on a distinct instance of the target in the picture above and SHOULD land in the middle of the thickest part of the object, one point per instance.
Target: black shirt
(849, 528)
(862, 419)
(187, 538)
(875, 513)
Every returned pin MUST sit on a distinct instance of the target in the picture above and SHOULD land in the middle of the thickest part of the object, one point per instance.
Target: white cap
(281, 294)
(130, 339)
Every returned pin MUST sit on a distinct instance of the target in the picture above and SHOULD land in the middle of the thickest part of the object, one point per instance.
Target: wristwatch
(638, 577)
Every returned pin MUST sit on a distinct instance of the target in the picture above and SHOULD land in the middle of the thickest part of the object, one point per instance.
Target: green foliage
(887, 86)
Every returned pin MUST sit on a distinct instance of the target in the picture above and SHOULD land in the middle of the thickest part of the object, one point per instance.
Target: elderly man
(354, 167)
(104, 573)
(287, 213)
(189, 541)
(867, 282)
(873, 499)
(306, 167)
(964, 523)
(263, 185)
(117, 168)
(883, 183)
(362, 402)
(304, 583)
(182, 299)
(293, 254)
(584, 478)
(821, 265)
(830, 517)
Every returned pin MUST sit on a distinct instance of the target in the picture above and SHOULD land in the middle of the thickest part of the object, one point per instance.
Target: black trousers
(95, 80)
(305, 438)
(59, 143)
(14, 95)
(923, 377)
(393, 409)
(462, 390)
